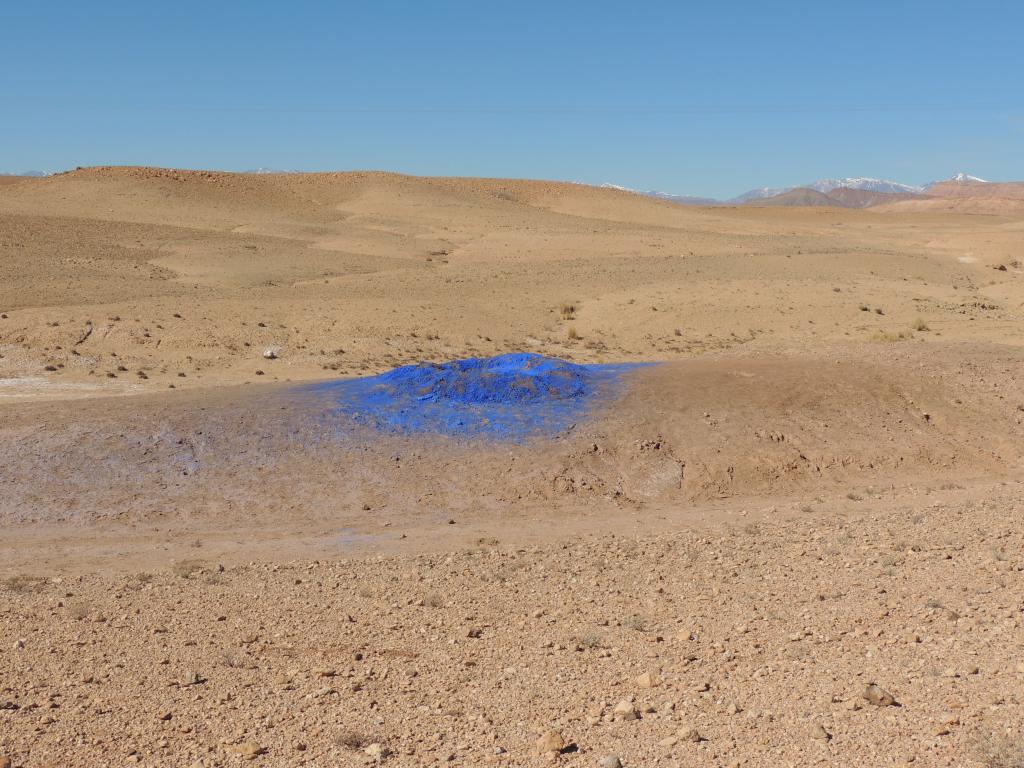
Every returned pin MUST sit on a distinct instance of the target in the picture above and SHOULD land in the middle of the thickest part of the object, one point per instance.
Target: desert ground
(794, 539)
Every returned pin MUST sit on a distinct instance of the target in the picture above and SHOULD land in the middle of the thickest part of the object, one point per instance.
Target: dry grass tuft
(349, 738)
(22, 583)
(893, 336)
(188, 568)
(79, 610)
(638, 623)
(1000, 752)
(589, 640)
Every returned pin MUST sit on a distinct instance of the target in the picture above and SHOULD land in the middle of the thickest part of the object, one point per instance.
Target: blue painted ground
(509, 397)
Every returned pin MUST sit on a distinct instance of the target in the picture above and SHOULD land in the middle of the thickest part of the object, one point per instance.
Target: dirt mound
(680, 432)
(511, 396)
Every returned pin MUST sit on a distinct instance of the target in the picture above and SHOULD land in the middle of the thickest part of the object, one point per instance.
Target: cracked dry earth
(837, 633)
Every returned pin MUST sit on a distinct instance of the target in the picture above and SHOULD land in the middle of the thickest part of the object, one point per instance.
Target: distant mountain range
(681, 199)
(34, 174)
(830, 192)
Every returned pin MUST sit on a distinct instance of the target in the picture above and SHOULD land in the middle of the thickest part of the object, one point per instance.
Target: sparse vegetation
(79, 610)
(567, 311)
(23, 583)
(187, 568)
(589, 640)
(572, 333)
(350, 738)
(637, 623)
(1000, 751)
(893, 336)
(920, 325)
(233, 658)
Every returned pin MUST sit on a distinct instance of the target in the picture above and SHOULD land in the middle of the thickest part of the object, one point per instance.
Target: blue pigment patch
(508, 397)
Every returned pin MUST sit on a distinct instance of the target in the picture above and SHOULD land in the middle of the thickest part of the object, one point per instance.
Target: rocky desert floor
(796, 540)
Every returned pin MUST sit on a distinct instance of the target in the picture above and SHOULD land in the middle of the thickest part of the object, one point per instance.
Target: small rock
(818, 732)
(5, 762)
(625, 710)
(648, 680)
(377, 751)
(668, 742)
(248, 750)
(608, 761)
(690, 734)
(272, 353)
(878, 697)
(550, 741)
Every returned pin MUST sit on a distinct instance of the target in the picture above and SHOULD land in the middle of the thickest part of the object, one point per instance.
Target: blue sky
(703, 98)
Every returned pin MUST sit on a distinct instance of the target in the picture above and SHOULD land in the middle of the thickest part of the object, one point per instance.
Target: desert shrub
(1000, 752)
(23, 583)
(187, 568)
(637, 623)
(589, 640)
(893, 336)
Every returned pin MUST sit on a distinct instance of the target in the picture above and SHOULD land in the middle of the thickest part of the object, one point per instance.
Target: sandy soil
(816, 491)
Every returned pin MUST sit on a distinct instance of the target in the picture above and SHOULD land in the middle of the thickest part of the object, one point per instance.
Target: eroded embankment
(671, 433)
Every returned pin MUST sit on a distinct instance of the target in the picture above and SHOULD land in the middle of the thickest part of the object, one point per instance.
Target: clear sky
(687, 97)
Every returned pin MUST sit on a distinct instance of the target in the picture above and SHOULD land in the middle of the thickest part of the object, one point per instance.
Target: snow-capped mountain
(960, 178)
(863, 183)
(827, 185)
(759, 194)
(672, 198)
(870, 185)
(868, 191)
(682, 199)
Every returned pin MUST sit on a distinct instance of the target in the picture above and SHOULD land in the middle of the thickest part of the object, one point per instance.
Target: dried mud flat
(796, 541)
